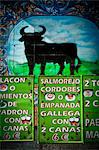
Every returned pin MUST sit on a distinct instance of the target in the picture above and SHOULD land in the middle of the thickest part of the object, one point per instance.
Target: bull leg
(42, 69)
(30, 65)
(31, 69)
(61, 67)
(72, 67)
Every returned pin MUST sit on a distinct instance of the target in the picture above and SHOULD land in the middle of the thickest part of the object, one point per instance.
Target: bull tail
(78, 64)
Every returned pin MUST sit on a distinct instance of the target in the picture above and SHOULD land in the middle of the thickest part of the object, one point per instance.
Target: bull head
(35, 34)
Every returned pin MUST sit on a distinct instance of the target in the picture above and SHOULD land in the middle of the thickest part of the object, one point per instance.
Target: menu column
(16, 108)
(91, 108)
(60, 110)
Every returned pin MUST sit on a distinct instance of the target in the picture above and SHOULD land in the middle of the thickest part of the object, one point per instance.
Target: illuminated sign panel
(60, 110)
(91, 108)
(16, 108)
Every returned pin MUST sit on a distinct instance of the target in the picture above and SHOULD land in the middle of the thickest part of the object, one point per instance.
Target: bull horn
(43, 31)
(22, 30)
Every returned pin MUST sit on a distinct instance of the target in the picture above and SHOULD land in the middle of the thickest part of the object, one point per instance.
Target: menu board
(60, 110)
(91, 108)
(16, 108)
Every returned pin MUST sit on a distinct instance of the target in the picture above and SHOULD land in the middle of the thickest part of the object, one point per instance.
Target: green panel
(60, 110)
(91, 108)
(16, 108)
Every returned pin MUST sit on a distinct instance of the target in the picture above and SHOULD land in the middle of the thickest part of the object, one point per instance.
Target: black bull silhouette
(38, 51)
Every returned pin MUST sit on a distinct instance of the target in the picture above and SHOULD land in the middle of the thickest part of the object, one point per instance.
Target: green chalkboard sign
(60, 110)
(16, 108)
(91, 108)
